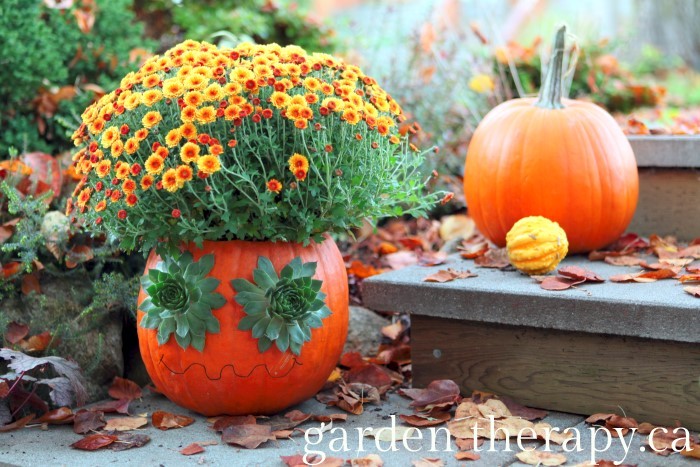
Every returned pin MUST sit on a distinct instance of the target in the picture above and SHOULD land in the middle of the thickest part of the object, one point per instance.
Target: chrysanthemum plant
(259, 142)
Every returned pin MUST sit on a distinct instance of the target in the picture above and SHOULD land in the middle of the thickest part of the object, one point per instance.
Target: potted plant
(232, 167)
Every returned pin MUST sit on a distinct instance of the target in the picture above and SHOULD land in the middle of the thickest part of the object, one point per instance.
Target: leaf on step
(166, 420)
(448, 275)
(693, 290)
(580, 274)
(559, 283)
(86, 421)
(125, 423)
(444, 392)
(123, 388)
(541, 458)
(94, 442)
(191, 449)
(126, 441)
(15, 332)
(467, 456)
(247, 436)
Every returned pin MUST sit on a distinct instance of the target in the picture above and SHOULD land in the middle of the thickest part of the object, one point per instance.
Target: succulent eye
(281, 309)
(180, 300)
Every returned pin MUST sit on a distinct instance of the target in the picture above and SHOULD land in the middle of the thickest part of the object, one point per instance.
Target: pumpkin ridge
(295, 362)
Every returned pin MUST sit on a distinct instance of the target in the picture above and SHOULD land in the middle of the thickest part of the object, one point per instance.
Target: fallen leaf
(431, 258)
(541, 458)
(37, 343)
(494, 258)
(580, 274)
(624, 260)
(559, 283)
(125, 423)
(30, 283)
(94, 442)
(693, 268)
(693, 290)
(456, 226)
(648, 276)
(393, 331)
(129, 440)
(447, 275)
(691, 251)
(59, 416)
(370, 374)
(545, 431)
(467, 444)
(661, 265)
(231, 420)
(15, 332)
(519, 410)
(361, 270)
(428, 462)
(297, 460)
(442, 392)
(122, 388)
(693, 452)
(473, 247)
(467, 456)
(166, 420)
(431, 419)
(352, 359)
(86, 421)
(645, 428)
(401, 259)
(493, 408)
(191, 449)
(120, 406)
(330, 417)
(17, 424)
(372, 460)
(247, 436)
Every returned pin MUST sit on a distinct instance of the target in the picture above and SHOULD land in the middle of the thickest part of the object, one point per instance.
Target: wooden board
(651, 380)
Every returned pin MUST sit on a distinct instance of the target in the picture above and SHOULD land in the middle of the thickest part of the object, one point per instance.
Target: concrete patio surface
(34, 447)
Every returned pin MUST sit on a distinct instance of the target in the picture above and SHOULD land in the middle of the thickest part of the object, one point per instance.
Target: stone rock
(93, 340)
(364, 332)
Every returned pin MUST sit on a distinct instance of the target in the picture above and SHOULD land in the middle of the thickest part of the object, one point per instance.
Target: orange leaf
(166, 420)
(16, 332)
(123, 388)
(448, 275)
(30, 283)
(85, 20)
(191, 449)
(694, 291)
(58, 416)
(10, 269)
(467, 456)
(37, 343)
(94, 442)
(361, 270)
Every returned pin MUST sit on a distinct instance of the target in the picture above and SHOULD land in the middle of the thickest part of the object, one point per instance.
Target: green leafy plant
(281, 309)
(180, 300)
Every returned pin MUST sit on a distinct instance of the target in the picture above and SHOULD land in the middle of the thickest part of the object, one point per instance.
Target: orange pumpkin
(566, 160)
(231, 376)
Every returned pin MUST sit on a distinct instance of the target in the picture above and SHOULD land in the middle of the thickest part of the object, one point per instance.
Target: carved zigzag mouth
(273, 374)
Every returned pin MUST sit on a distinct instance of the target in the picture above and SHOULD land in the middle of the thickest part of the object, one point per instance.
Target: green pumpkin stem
(551, 89)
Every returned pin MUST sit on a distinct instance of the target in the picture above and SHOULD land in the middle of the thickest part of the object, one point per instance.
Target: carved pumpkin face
(231, 375)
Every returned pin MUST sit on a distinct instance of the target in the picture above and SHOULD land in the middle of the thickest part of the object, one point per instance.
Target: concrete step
(585, 350)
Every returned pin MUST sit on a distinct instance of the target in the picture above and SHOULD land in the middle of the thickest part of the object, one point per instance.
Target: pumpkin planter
(234, 373)
(566, 160)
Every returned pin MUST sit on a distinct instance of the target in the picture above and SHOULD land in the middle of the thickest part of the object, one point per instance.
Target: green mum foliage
(180, 300)
(281, 309)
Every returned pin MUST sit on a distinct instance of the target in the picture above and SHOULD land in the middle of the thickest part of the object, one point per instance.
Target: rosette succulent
(281, 309)
(180, 300)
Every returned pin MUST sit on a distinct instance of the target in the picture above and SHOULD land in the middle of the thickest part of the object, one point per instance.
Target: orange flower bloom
(193, 98)
(274, 186)
(131, 146)
(146, 182)
(131, 200)
(189, 152)
(170, 181)
(173, 137)
(151, 119)
(188, 114)
(209, 164)
(141, 134)
(206, 114)
(298, 162)
(184, 174)
(101, 206)
(154, 164)
(117, 148)
(122, 171)
(300, 175)
(188, 131)
(84, 197)
(103, 167)
(129, 186)
(301, 123)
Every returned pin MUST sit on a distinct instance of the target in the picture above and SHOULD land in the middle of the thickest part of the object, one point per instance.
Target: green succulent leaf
(281, 308)
(180, 300)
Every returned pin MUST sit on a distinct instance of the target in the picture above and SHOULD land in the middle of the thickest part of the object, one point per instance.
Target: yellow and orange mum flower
(131, 200)
(96, 126)
(173, 88)
(188, 131)
(213, 92)
(154, 164)
(146, 182)
(188, 114)
(103, 167)
(151, 96)
(351, 116)
(274, 185)
(151, 119)
(170, 181)
(301, 123)
(298, 162)
(193, 98)
(109, 136)
(117, 148)
(84, 197)
(131, 146)
(173, 137)
(189, 152)
(195, 81)
(300, 174)
(206, 114)
(209, 164)
(184, 174)
(141, 134)
(128, 186)
(151, 81)
(280, 99)
(101, 206)
(132, 101)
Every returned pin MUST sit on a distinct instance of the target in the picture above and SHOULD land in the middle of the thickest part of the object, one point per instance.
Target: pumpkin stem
(551, 89)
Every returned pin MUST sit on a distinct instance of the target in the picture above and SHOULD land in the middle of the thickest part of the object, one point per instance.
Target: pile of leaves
(661, 121)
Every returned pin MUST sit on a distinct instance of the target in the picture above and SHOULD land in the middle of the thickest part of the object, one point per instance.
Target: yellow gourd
(536, 245)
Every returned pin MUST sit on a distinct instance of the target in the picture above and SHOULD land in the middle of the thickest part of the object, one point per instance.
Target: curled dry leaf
(545, 431)
(493, 408)
(456, 226)
(648, 276)
(222, 422)
(30, 283)
(467, 444)
(447, 275)
(86, 421)
(580, 274)
(38, 342)
(431, 258)
(559, 283)
(119, 406)
(693, 290)
(440, 393)
(625, 260)
(17, 424)
(689, 278)
(361, 270)
(435, 417)
(125, 423)
(122, 388)
(519, 410)
(166, 420)
(60, 416)
(129, 440)
(693, 452)
(371, 375)
(473, 250)
(297, 460)
(247, 436)
(497, 258)
(15, 332)
(393, 331)
(373, 460)
(191, 449)
(467, 456)
(693, 268)
(94, 442)
(541, 458)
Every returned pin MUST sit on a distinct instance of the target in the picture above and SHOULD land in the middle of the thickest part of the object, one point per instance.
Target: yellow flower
(131, 146)
(241, 74)
(232, 88)
(188, 114)
(109, 136)
(103, 168)
(312, 84)
(206, 114)
(173, 137)
(170, 181)
(351, 116)
(117, 148)
(151, 96)
(154, 164)
(172, 88)
(209, 164)
(298, 162)
(213, 92)
(146, 182)
(481, 84)
(133, 101)
(151, 81)
(189, 152)
(151, 119)
(188, 130)
(280, 99)
(195, 81)
(141, 134)
(184, 174)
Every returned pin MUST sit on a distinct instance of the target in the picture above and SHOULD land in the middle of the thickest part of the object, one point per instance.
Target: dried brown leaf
(440, 392)
(86, 421)
(15, 332)
(494, 258)
(191, 449)
(467, 456)
(247, 436)
(580, 274)
(693, 290)
(556, 283)
(541, 458)
(447, 275)
(125, 423)
(122, 388)
(166, 420)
